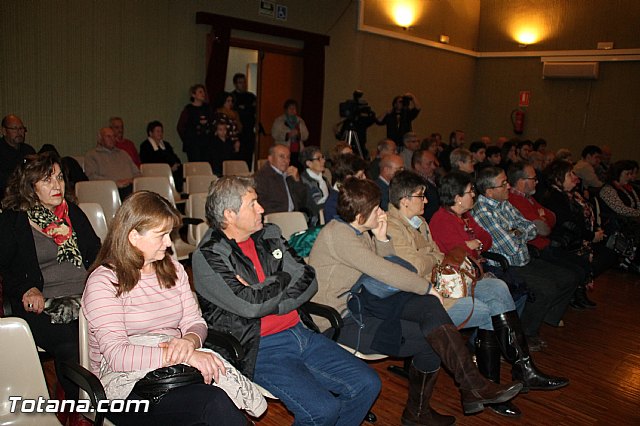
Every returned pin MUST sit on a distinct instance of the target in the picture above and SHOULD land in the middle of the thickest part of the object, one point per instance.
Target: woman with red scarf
(48, 245)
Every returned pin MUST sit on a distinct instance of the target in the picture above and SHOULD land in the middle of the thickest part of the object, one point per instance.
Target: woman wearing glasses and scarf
(493, 310)
(48, 244)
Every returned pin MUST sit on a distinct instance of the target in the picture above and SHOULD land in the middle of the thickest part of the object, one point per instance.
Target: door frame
(311, 104)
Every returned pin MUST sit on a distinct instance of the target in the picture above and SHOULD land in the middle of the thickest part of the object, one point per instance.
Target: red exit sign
(523, 99)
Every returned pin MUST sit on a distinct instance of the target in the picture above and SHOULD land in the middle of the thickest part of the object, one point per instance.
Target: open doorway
(274, 77)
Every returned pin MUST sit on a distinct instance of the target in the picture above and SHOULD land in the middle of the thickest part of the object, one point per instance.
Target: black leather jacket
(231, 307)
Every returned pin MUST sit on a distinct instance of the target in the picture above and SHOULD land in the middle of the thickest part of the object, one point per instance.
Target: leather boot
(476, 391)
(580, 297)
(515, 350)
(488, 360)
(418, 412)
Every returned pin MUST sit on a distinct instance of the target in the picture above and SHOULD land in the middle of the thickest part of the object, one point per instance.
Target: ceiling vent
(576, 70)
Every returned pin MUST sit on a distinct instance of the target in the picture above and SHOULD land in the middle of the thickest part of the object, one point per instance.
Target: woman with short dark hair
(392, 310)
(491, 308)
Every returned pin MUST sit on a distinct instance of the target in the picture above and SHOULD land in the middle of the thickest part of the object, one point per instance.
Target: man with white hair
(106, 162)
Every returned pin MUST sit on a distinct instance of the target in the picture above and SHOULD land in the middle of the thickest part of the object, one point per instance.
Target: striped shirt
(147, 308)
(508, 228)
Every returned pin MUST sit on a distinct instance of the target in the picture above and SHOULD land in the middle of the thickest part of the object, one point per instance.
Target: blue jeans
(317, 380)
(492, 297)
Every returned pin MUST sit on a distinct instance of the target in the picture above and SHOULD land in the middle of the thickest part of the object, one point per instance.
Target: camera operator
(356, 115)
(404, 109)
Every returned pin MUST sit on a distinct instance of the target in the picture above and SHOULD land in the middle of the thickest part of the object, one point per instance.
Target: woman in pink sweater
(135, 290)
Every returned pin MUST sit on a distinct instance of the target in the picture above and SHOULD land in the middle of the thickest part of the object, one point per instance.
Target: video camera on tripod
(357, 115)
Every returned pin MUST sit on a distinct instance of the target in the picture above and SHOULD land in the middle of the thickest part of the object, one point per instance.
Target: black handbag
(158, 382)
(621, 244)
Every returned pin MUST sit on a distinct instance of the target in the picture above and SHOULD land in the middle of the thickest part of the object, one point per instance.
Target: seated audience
(602, 170)
(117, 125)
(289, 129)
(392, 310)
(508, 154)
(106, 162)
(384, 148)
(346, 166)
(49, 244)
(493, 156)
(389, 165)
(250, 284)
(490, 308)
(157, 150)
(478, 150)
(456, 140)
(317, 186)
(425, 163)
(540, 145)
(620, 206)
(523, 150)
(431, 144)
(411, 143)
(452, 227)
(71, 169)
(575, 236)
(142, 316)
(552, 285)
(586, 167)
(564, 154)
(278, 184)
(462, 160)
(13, 148)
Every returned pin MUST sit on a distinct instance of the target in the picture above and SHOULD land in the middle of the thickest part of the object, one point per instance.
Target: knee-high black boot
(475, 390)
(418, 412)
(488, 360)
(515, 350)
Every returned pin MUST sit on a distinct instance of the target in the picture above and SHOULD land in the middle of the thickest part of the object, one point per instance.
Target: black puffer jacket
(229, 306)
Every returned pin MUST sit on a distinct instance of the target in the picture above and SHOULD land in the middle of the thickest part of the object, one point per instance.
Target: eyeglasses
(417, 196)
(470, 191)
(502, 185)
(16, 129)
(318, 158)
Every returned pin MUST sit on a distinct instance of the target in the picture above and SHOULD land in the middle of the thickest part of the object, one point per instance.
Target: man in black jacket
(250, 284)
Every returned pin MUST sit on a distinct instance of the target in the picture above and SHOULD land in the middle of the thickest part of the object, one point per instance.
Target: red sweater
(531, 210)
(127, 146)
(271, 324)
(448, 231)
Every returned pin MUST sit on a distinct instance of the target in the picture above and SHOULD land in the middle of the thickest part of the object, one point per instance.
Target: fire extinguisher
(517, 119)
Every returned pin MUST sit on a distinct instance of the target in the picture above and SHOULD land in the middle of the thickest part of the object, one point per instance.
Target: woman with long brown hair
(136, 289)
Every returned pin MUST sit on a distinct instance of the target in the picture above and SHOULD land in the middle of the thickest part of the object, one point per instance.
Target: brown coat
(341, 254)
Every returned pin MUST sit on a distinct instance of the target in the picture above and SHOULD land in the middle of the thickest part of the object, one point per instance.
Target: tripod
(351, 137)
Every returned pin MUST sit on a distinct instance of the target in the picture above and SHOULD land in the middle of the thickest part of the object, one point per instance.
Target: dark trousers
(187, 405)
(418, 318)
(553, 287)
(59, 340)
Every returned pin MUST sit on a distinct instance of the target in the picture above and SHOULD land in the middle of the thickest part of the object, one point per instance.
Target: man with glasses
(523, 181)
(12, 148)
(552, 286)
(389, 166)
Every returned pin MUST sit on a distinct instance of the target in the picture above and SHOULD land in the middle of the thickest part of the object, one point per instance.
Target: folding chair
(103, 192)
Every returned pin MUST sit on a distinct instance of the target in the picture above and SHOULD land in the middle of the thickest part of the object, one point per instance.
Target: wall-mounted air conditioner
(577, 70)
